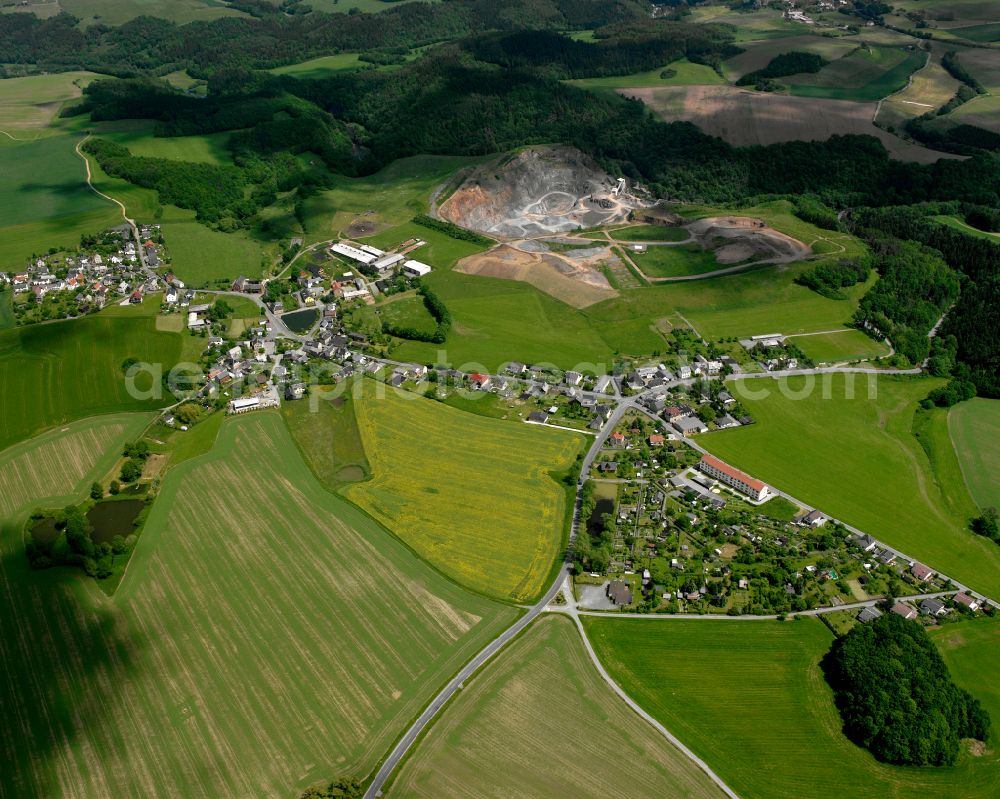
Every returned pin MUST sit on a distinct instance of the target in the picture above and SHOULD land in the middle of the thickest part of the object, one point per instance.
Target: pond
(300, 321)
(109, 519)
(45, 531)
(594, 523)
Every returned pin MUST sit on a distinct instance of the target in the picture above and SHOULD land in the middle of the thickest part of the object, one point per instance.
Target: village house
(869, 614)
(933, 607)
(966, 601)
(904, 610)
(619, 592)
(921, 572)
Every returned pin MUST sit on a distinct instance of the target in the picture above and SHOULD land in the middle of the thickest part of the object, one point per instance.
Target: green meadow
(679, 261)
(244, 654)
(750, 699)
(137, 135)
(44, 199)
(55, 373)
(975, 432)
(390, 197)
(858, 459)
(28, 105)
(841, 345)
(322, 67)
(684, 74)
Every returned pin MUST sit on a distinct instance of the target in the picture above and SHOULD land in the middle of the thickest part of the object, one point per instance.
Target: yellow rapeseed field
(471, 495)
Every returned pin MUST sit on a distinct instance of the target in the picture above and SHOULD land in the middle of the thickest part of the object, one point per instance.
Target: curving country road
(439, 701)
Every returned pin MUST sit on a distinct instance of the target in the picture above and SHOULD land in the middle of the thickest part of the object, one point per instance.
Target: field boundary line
(656, 725)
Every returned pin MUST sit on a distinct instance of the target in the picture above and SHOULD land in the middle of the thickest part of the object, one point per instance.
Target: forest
(975, 320)
(915, 287)
(896, 697)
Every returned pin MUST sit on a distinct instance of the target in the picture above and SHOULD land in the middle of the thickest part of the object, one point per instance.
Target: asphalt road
(411, 735)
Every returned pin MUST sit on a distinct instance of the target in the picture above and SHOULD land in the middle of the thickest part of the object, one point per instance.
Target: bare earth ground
(576, 281)
(746, 118)
(747, 237)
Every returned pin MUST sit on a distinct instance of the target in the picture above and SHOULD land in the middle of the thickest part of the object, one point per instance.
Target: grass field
(7, 319)
(44, 200)
(970, 651)
(843, 345)
(137, 135)
(328, 438)
(470, 495)
(322, 67)
(54, 373)
(960, 224)
(685, 74)
(975, 432)
(367, 6)
(684, 259)
(539, 722)
(649, 233)
(388, 198)
(858, 460)
(749, 698)
(982, 111)
(867, 74)
(28, 105)
(245, 653)
(117, 12)
(408, 311)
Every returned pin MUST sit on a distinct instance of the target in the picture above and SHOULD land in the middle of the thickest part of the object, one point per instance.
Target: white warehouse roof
(353, 253)
(416, 268)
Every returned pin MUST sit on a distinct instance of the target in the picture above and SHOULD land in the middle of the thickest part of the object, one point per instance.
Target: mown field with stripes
(750, 699)
(471, 495)
(540, 722)
(266, 635)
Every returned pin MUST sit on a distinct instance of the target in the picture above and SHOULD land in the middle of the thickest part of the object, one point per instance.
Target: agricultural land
(318, 591)
(751, 699)
(443, 478)
(519, 711)
(975, 431)
(562, 383)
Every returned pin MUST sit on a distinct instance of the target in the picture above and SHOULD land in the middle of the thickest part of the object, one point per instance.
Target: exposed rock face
(534, 192)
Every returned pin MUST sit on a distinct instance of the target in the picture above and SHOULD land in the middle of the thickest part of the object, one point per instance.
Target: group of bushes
(73, 546)
(452, 230)
(830, 278)
(783, 65)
